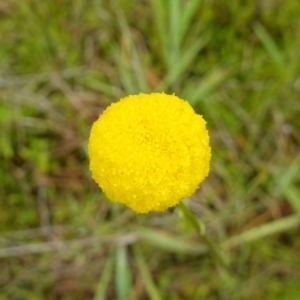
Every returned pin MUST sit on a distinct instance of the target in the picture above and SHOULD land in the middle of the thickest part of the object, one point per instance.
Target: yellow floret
(149, 151)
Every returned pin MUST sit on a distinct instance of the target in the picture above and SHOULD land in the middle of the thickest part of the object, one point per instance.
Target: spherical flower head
(149, 151)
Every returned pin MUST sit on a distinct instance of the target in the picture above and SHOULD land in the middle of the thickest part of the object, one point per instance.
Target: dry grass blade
(14, 80)
(35, 248)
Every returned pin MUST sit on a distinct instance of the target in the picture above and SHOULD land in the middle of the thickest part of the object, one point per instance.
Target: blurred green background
(62, 62)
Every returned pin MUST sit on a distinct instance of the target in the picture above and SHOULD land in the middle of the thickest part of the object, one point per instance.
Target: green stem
(215, 252)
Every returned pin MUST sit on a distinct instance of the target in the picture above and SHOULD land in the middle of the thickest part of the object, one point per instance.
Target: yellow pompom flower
(149, 151)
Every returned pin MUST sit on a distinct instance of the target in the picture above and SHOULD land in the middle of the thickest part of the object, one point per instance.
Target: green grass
(63, 62)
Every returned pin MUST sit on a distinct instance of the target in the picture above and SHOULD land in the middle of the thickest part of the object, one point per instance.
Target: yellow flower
(149, 151)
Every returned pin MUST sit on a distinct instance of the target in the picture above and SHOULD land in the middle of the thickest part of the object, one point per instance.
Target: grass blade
(210, 82)
(159, 11)
(181, 66)
(270, 46)
(150, 286)
(263, 231)
(175, 25)
(171, 243)
(188, 14)
(131, 58)
(284, 181)
(100, 293)
(293, 196)
(123, 275)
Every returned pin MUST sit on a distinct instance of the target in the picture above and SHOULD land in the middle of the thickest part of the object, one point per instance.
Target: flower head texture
(149, 151)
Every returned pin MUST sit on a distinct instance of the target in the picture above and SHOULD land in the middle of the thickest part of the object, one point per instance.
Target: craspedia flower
(149, 151)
